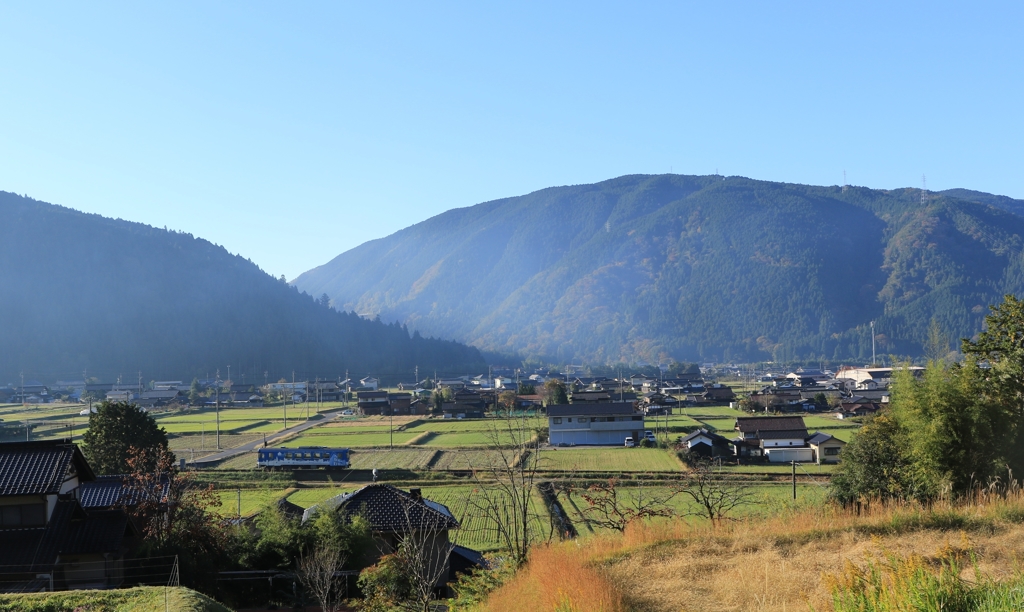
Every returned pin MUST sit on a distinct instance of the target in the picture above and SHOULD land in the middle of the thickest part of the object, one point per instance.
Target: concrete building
(594, 424)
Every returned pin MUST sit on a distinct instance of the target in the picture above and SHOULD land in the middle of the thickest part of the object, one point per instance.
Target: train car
(302, 457)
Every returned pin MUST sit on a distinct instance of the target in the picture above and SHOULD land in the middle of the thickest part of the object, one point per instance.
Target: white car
(629, 442)
(649, 436)
(347, 413)
(86, 411)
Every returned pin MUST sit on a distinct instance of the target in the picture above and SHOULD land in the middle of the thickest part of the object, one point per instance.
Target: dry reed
(773, 563)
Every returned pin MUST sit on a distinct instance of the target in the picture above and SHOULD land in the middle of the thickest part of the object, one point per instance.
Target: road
(245, 448)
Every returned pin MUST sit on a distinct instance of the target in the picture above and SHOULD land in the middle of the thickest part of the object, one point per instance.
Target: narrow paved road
(245, 448)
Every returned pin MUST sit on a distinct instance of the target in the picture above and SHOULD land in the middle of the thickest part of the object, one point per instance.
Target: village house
(826, 447)
(594, 424)
(779, 439)
(706, 444)
(50, 541)
(393, 516)
(372, 402)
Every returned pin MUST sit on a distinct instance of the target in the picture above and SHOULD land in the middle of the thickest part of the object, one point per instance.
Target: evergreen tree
(114, 430)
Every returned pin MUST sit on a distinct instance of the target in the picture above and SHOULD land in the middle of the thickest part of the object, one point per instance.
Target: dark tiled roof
(782, 434)
(101, 532)
(820, 437)
(389, 509)
(70, 531)
(110, 491)
(39, 468)
(622, 408)
(762, 424)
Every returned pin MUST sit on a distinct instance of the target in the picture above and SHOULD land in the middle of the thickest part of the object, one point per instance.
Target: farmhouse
(705, 443)
(395, 515)
(594, 424)
(780, 439)
(49, 539)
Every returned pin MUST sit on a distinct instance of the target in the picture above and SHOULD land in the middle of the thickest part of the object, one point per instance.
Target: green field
(457, 440)
(308, 497)
(252, 500)
(468, 425)
(331, 438)
(612, 459)
(172, 599)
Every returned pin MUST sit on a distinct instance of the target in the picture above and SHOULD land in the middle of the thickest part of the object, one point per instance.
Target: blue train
(303, 457)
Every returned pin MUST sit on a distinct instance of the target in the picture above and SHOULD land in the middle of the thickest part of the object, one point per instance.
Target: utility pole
(23, 391)
(873, 361)
(229, 372)
(794, 480)
(217, 409)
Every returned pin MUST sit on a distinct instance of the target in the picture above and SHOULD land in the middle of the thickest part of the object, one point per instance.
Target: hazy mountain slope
(650, 267)
(80, 291)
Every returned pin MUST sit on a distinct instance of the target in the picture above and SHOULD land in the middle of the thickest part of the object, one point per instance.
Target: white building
(594, 424)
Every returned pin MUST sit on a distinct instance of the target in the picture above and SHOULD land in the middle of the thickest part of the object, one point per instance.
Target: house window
(832, 451)
(568, 419)
(637, 418)
(583, 419)
(557, 420)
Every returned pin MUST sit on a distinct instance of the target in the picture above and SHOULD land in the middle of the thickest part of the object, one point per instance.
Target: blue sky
(290, 132)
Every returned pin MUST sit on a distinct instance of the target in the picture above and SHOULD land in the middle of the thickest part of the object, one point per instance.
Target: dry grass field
(785, 562)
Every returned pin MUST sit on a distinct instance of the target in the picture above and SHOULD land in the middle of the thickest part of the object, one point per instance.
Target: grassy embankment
(141, 599)
(895, 557)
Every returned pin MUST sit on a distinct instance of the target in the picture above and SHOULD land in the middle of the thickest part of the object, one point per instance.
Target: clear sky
(290, 132)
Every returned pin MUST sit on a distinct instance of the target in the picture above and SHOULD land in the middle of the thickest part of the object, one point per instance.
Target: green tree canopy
(554, 392)
(114, 429)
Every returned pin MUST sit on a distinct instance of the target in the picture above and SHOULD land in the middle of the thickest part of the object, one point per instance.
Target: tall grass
(805, 556)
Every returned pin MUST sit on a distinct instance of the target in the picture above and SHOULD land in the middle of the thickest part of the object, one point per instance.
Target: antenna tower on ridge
(924, 189)
(844, 181)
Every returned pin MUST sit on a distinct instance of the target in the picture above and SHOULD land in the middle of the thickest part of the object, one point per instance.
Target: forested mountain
(692, 267)
(82, 292)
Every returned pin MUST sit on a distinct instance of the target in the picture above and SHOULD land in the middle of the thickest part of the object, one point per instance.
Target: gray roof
(707, 434)
(820, 437)
(620, 408)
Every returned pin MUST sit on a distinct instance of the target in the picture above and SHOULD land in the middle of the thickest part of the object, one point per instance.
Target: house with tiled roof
(393, 515)
(49, 539)
(779, 438)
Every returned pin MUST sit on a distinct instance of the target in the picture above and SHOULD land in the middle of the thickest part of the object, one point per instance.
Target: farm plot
(466, 439)
(764, 499)
(466, 460)
(475, 530)
(398, 459)
(612, 459)
(698, 412)
(719, 424)
(319, 437)
(252, 500)
(468, 425)
(314, 495)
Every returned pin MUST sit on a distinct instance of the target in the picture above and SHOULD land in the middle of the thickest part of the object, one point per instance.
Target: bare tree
(506, 487)
(319, 572)
(425, 551)
(612, 505)
(713, 497)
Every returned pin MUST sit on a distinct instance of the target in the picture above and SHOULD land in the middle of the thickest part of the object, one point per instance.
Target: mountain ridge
(653, 267)
(111, 297)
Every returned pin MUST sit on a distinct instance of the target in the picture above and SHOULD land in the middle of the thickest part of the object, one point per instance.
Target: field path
(245, 448)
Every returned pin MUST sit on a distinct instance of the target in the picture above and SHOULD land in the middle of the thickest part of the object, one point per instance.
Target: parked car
(347, 413)
(649, 436)
(629, 442)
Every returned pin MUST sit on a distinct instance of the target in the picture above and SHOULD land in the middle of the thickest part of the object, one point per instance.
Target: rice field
(466, 460)
(613, 459)
(321, 437)
(462, 439)
(252, 500)
(398, 459)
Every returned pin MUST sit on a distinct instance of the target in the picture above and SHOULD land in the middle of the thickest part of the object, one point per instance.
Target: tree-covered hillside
(692, 267)
(82, 292)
